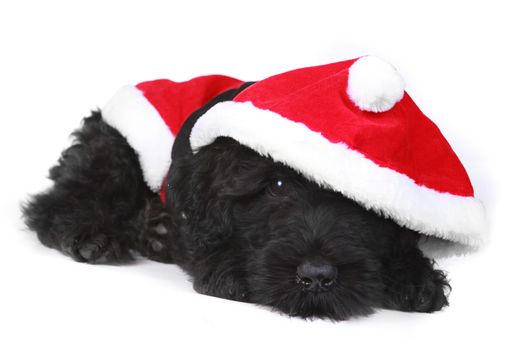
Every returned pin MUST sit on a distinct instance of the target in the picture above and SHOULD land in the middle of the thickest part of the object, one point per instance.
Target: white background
(463, 64)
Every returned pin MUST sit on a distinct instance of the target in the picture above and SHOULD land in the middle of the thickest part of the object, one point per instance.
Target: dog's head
(292, 245)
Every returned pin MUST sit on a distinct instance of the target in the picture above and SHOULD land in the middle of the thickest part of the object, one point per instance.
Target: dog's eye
(276, 187)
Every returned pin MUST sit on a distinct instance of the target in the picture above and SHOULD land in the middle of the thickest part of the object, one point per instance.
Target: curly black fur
(99, 208)
(240, 224)
(248, 222)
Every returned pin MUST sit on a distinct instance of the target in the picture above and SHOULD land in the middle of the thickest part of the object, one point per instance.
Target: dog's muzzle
(316, 275)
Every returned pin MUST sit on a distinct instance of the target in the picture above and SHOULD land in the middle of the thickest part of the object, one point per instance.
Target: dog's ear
(195, 184)
(212, 224)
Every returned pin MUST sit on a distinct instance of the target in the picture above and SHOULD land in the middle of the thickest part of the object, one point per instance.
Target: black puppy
(241, 225)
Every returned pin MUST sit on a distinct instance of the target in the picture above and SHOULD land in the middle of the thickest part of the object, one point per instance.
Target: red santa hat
(150, 114)
(349, 126)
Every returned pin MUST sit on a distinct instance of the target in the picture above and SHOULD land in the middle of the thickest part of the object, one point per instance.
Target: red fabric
(175, 102)
(162, 192)
(402, 138)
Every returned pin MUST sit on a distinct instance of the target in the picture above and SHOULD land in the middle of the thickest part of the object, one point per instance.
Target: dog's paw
(429, 294)
(235, 290)
(153, 240)
(153, 243)
(226, 287)
(96, 249)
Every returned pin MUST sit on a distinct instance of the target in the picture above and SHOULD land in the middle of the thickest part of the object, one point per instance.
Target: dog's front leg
(412, 283)
(94, 210)
(156, 237)
(218, 274)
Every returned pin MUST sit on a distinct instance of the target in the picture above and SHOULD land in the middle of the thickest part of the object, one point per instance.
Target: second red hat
(351, 127)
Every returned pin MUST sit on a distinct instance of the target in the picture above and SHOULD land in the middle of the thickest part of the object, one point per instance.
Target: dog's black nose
(316, 275)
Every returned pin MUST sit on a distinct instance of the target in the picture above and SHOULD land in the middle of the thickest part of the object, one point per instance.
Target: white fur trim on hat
(139, 122)
(374, 85)
(457, 219)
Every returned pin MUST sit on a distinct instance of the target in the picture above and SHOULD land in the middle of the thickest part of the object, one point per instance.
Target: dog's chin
(273, 282)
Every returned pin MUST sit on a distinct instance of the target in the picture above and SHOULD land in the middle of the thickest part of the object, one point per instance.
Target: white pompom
(374, 85)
